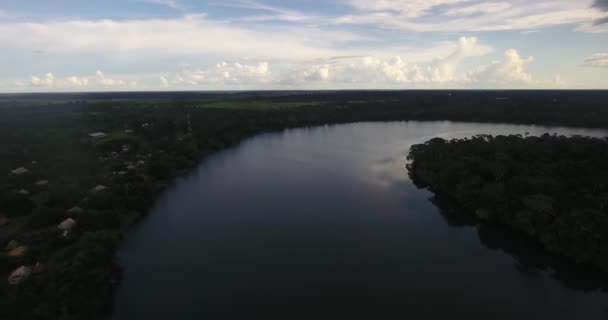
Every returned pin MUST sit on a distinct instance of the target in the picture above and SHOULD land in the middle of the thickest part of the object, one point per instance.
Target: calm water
(324, 223)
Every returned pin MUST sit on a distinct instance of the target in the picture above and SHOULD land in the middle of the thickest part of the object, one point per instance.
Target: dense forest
(67, 198)
(552, 188)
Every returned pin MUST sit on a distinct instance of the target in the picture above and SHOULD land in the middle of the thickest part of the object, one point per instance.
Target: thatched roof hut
(98, 189)
(18, 252)
(19, 275)
(4, 220)
(19, 171)
(67, 224)
(75, 210)
(11, 245)
(42, 183)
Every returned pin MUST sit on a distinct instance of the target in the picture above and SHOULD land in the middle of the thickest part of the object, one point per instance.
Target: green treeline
(553, 188)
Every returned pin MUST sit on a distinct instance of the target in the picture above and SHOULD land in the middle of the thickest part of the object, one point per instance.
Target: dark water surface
(324, 223)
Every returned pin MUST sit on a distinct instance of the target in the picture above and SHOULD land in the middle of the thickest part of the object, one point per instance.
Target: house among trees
(97, 135)
(19, 171)
(75, 210)
(19, 275)
(4, 220)
(17, 252)
(38, 268)
(98, 189)
(67, 224)
(42, 183)
(11, 245)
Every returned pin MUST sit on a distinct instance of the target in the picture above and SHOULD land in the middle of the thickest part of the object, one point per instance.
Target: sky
(140, 45)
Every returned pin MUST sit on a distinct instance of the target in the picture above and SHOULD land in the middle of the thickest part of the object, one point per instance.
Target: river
(324, 223)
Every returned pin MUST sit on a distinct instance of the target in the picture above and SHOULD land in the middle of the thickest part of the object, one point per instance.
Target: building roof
(17, 252)
(42, 183)
(24, 192)
(67, 224)
(97, 135)
(4, 220)
(19, 171)
(75, 210)
(11, 245)
(20, 274)
(99, 188)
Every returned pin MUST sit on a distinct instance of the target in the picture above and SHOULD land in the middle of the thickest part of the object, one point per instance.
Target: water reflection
(324, 223)
(531, 259)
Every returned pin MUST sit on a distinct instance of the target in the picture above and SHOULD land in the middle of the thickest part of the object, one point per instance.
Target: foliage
(48, 134)
(553, 188)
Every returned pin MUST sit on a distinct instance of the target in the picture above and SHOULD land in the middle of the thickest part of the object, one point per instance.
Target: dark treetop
(552, 188)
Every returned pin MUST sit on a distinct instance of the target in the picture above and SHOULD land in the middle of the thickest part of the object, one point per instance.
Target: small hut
(67, 224)
(97, 135)
(19, 171)
(19, 275)
(4, 220)
(75, 210)
(42, 183)
(98, 189)
(11, 245)
(38, 268)
(18, 252)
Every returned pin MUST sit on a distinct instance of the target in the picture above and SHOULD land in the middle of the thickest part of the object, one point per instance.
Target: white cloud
(469, 16)
(43, 81)
(48, 80)
(164, 82)
(108, 82)
(487, 7)
(173, 4)
(511, 71)
(370, 71)
(77, 81)
(224, 73)
(274, 12)
(377, 71)
(405, 8)
(192, 35)
(598, 60)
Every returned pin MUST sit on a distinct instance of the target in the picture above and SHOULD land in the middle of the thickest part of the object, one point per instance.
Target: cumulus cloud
(509, 71)
(446, 70)
(379, 71)
(224, 73)
(43, 81)
(108, 82)
(49, 81)
(77, 81)
(598, 60)
(164, 82)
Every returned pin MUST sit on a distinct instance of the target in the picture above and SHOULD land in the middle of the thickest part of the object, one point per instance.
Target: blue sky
(116, 45)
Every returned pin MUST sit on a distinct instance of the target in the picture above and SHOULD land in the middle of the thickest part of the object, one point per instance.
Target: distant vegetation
(552, 188)
(153, 137)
